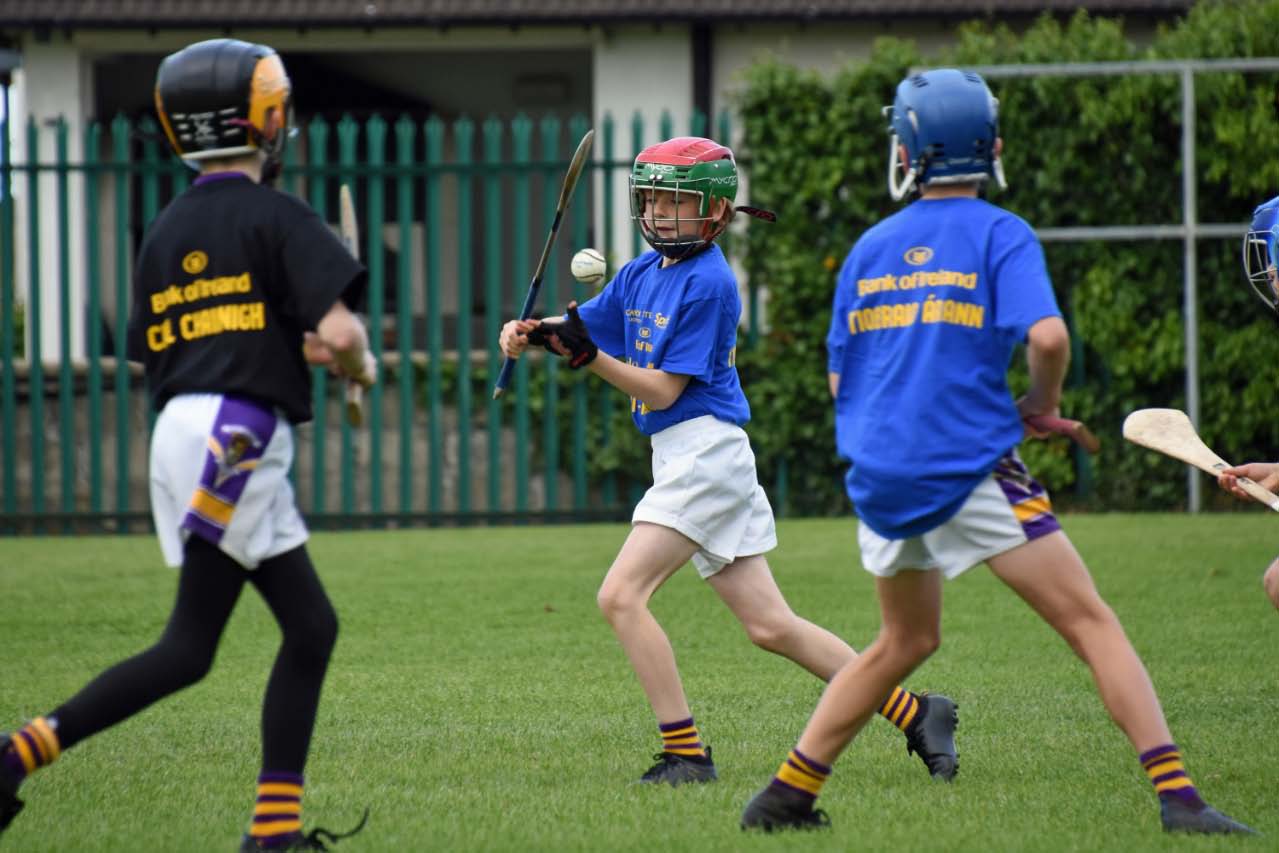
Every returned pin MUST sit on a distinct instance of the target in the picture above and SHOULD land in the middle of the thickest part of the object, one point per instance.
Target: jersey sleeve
(605, 320)
(1023, 290)
(319, 270)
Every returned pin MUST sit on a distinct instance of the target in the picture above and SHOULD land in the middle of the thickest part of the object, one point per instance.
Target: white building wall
(52, 82)
(825, 49)
(644, 70)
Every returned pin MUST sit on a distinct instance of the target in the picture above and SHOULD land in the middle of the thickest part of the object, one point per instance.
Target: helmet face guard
(679, 169)
(224, 98)
(1261, 254)
(948, 122)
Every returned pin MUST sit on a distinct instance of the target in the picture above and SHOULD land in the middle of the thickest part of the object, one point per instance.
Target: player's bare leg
(1270, 580)
(650, 555)
(747, 586)
(910, 605)
(1051, 577)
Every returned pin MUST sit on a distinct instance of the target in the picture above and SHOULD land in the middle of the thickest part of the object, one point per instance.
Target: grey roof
(391, 13)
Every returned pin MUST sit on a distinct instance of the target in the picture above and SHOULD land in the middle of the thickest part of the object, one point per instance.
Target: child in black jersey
(236, 288)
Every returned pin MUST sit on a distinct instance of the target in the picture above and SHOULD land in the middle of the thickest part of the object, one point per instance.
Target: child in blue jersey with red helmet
(664, 331)
(1261, 267)
(927, 311)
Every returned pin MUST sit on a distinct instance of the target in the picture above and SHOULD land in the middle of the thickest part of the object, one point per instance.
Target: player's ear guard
(571, 334)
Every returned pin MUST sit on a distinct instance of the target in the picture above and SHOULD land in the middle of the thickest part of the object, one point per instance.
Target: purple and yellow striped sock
(31, 747)
(1168, 774)
(801, 773)
(681, 738)
(901, 708)
(277, 816)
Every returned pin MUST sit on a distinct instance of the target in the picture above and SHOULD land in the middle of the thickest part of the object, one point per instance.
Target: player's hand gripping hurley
(1170, 432)
(566, 192)
(351, 238)
(1076, 431)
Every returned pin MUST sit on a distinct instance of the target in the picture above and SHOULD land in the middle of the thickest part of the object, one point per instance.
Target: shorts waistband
(705, 424)
(216, 398)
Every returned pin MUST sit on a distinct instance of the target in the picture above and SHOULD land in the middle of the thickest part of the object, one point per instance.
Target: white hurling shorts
(220, 471)
(705, 487)
(1009, 508)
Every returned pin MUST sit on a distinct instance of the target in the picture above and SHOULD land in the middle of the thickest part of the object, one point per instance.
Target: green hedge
(1079, 151)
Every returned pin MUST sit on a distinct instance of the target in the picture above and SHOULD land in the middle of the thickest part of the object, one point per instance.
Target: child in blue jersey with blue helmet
(1261, 267)
(927, 311)
(664, 331)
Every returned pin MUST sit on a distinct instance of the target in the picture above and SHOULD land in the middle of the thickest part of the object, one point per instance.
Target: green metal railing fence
(450, 213)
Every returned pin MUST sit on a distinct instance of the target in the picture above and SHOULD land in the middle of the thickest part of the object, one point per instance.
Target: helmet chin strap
(271, 167)
(270, 140)
(679, 251)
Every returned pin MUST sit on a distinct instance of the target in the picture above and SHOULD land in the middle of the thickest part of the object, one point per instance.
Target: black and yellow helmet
(223, 98)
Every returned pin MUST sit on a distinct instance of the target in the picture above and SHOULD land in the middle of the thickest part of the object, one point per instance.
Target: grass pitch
(477, 700)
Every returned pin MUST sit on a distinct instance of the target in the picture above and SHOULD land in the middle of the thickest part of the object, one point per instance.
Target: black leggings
(208, 589)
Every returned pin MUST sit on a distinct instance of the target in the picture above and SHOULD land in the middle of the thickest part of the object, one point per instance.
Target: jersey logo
(195, 262)
(661, 320)
(230, 460)
(918, 256)
(645, 331)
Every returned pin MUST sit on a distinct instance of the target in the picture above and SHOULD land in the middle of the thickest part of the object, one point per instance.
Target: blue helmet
(948, 120)
(1260, 254)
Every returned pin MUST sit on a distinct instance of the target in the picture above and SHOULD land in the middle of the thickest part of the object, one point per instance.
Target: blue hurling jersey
(680, 319)
(928, 308)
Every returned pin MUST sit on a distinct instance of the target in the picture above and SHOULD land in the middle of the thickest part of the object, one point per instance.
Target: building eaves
(94, 14)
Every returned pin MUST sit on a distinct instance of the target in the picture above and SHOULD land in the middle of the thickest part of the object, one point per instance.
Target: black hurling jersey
(228, 278)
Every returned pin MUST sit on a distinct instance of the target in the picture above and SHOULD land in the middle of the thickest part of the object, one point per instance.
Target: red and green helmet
(684, 165)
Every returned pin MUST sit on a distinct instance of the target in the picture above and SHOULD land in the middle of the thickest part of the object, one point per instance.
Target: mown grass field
(477, 701)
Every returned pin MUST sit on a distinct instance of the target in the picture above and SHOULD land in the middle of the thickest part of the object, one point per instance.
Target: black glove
(571, 334)
(540, 336)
